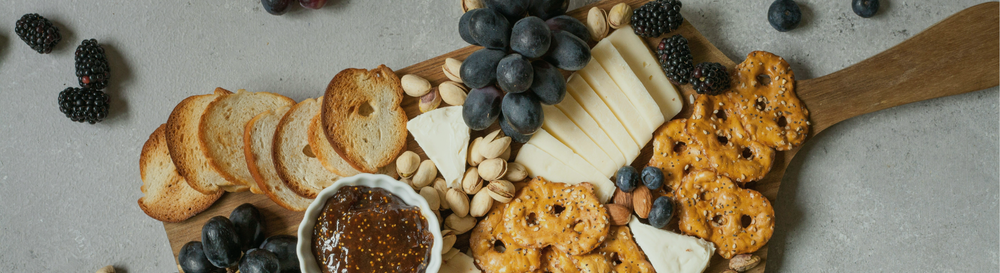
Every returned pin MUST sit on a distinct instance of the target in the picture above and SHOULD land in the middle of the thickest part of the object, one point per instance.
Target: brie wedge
(443, 135)
(671, 252)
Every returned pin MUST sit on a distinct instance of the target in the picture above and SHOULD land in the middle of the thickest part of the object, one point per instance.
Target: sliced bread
(363, 119)
(293, 158)
(167, 196)
(330, 159)
(221, 133)
(186, 151)
(257, 139)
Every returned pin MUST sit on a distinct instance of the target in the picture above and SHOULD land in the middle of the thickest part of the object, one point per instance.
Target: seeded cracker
(566, 217)
(766, 102)
(713, 208)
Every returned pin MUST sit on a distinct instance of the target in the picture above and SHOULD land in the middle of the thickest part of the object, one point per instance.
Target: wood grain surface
(958, 55)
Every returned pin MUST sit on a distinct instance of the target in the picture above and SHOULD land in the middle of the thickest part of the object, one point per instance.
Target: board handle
(958, 55)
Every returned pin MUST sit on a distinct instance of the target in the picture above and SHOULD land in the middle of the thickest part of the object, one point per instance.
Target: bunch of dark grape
(238, 242)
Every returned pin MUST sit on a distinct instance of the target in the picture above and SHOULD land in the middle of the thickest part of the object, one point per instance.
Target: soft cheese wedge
(603, 187)
(572, 109)
(445, 139)
(579, 90)
(562, 128)
(609, 92)
(643, 63)
(628, 82)
(540, 163)
(671, 252)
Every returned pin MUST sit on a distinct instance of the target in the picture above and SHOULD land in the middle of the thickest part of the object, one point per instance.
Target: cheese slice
(671, 252)
(562, 128)
(582, 119)
(579, 90)
(603, 187)
(643, 63)
(443, 135)
(540, 163)
(608, 91)
(628, 82)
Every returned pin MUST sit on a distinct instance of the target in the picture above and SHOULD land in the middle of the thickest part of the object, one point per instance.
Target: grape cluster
(525, 45)
(238, 242)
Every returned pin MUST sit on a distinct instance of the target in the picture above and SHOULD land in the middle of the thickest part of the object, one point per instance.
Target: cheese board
(924, 67)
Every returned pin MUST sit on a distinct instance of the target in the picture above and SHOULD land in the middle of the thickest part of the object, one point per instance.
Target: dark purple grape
(221, 242)
(548, 83)
(482, 107)
(546, 9)
(276, 7)
(508, 131)
(480, 68)
(249, 225)
(531, 37)
(192, 259)
(568, 52)
(259, 261)
(523, 112)
(569, 24)
(312, 4)
(283, 247)
(464, 24)
(512, 9)
(514, 74)
(490, 29)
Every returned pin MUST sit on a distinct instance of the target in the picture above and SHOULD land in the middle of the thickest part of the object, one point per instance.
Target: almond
(642, 201)
(619, 214)
(744, 262)
(622, 198)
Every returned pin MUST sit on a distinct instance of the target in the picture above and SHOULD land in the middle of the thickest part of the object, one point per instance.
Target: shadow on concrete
(121, 73)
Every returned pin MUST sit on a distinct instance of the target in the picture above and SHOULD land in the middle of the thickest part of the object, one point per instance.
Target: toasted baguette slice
(186, 151)
(221, 133)
(167, 197)
(363, 118)
(257, 139)
(330, 159)
(293, 158)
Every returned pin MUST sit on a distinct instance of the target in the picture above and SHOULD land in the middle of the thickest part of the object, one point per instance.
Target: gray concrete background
(913, 188)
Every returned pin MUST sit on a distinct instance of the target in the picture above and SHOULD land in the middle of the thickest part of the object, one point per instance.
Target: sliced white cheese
(540, 163)
(582, 119)
(443, 135)
(459, 263)
(603, 187)
(579, 90)
(671, 252)
(628, 82)
(643, 63)
(608, 91)
(563, 129)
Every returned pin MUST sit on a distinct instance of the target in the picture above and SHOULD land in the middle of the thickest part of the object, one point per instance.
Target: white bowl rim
(307, 261)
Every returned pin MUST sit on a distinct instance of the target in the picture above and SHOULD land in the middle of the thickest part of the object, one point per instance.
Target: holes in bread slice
(365, 109)
(308, 151)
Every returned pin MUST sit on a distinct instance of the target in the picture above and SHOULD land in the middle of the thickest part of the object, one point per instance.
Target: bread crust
(261, 164)
(366, 141)
(167, 196)
(291, 164)
(182, 142)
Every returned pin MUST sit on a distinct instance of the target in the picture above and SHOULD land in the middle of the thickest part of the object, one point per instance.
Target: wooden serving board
(958, 55)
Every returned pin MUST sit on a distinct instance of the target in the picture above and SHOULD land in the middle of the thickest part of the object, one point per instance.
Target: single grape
(514, 74)
(523, 112)
(531, 37)
(548, 83)
(568, 52)
(249, 225)
(221, 242)
(482, 107)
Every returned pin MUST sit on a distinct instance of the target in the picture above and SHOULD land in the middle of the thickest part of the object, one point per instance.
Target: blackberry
(37, 32)
(84, 104)
(710, 78)
(92, 65)
(675, 58)
(657, 17)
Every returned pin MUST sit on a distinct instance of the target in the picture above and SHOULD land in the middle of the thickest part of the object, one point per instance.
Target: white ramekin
(307, 261)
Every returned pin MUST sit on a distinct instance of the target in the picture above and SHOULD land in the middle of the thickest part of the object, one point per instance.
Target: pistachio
(441, 186)
(448, 239)
(447, 256)
(430, 101)
(501, 190)
(444, 199)
(431, 195)
(471, 182)
(493, 136)
(494, 148)
(408, 181)
(506, 154)
(481, 204)
(620, 16)
(515, 172)
(597, 23)
(407, 163)
(415, 86)
(106, 269)
(468, 5)
(453, 93)
(452, 69)
(493, 169)
(425, 174)
(438, 214)
(459, 202)
(474, 156)
(459, 224)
